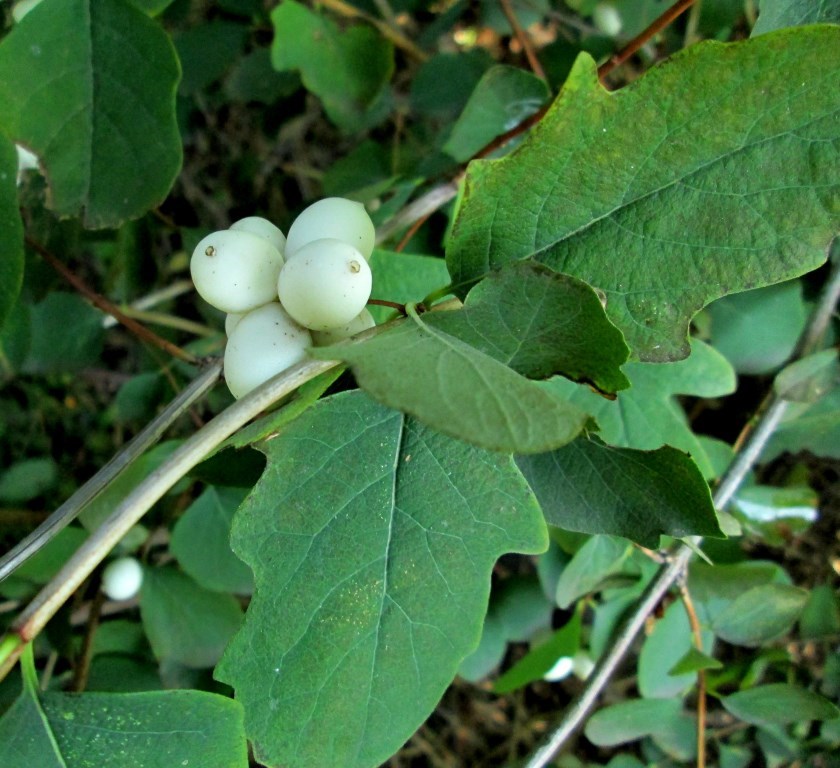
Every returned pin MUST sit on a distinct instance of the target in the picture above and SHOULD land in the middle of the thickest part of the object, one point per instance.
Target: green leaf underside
(457, 389)
(540, 323)
(372, 540)
(779, 703)
(760, 614)
(11, 230)
(98, 107)
(777, 14)
(648, 415)
(103, 730)
(591, 487)
(631, 720)
(668, 203)
(350, 71)
(598, 559)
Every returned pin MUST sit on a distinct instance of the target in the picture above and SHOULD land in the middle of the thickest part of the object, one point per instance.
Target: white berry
(235, 271)
(232, 320)
(264, 342)
(325, 285)
(122, 578)
(334, 217)
(257, 225)
(607, 18)
(361, 322)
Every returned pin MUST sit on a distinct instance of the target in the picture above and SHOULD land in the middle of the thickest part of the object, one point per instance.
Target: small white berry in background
(333, 217)
(236, 271)
(261, 227)
(606, 17)
(263, 343)
(325, 285)
(361, 322)
(122, 578)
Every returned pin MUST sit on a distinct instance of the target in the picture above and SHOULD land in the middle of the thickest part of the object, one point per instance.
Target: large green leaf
(668, 203)
(161, 729)
(11, 230)
(458, 389)
(592, 487)
(89, 86)
(777, 14)
(347, 69)
(648, 414)
(372, 541)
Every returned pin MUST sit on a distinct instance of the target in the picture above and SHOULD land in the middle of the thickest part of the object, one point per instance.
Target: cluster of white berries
(284, 294)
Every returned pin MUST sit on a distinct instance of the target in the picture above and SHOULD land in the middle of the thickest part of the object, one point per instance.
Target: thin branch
(82, 670)
(523, 38)
(617, 59)
(73, 573)
(387, 31)
(172, 291)
(411, 231)
(696, 632)
(107, 306)
(68, 511)
(424, 205)
(744, 460)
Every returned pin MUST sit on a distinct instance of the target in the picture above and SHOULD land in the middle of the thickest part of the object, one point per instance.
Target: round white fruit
(22, 8)
(325, 285)
(122, 578)
(334, 217)
(235, 271)
(607, 19)
(263, 343)
(261, 227)
(361, 322)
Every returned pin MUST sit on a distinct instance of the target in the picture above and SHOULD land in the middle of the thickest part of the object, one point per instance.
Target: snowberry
(257, 225)
(235, 271)
(264, 342)
(325, 285)
(122, 578)
(333, 217)
(232, 320)
(606, 17)
(361, 322)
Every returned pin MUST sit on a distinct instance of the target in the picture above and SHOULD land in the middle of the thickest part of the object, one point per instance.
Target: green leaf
(154, 730)
(813, 427)
(632, 720)
(372, 540)
(98, 107)
(67, 335)
(806, 380)
(778, 14)
(757, 330)
(11, 230)
(404, 277)
(648, 415)
(693, 661)
(540, 659)
(347, 69)
(821, 615)
(200, 542)
(185, 622)
(26, 479)
(503, 98)
(667, 204)
(489, 652)
(670, 640)
(457, 389)
(207, 51)
(443, 84)
(779, 703)
(591, 487)
(540, 323)
(760, 614)
(593, 563)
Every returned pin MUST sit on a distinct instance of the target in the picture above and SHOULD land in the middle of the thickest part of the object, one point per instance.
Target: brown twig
(80, 673)
(390, 304)
(688, 604)
(617, 59)
(98, 300)
(412, 230)
(525, 41)
(390, 33)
